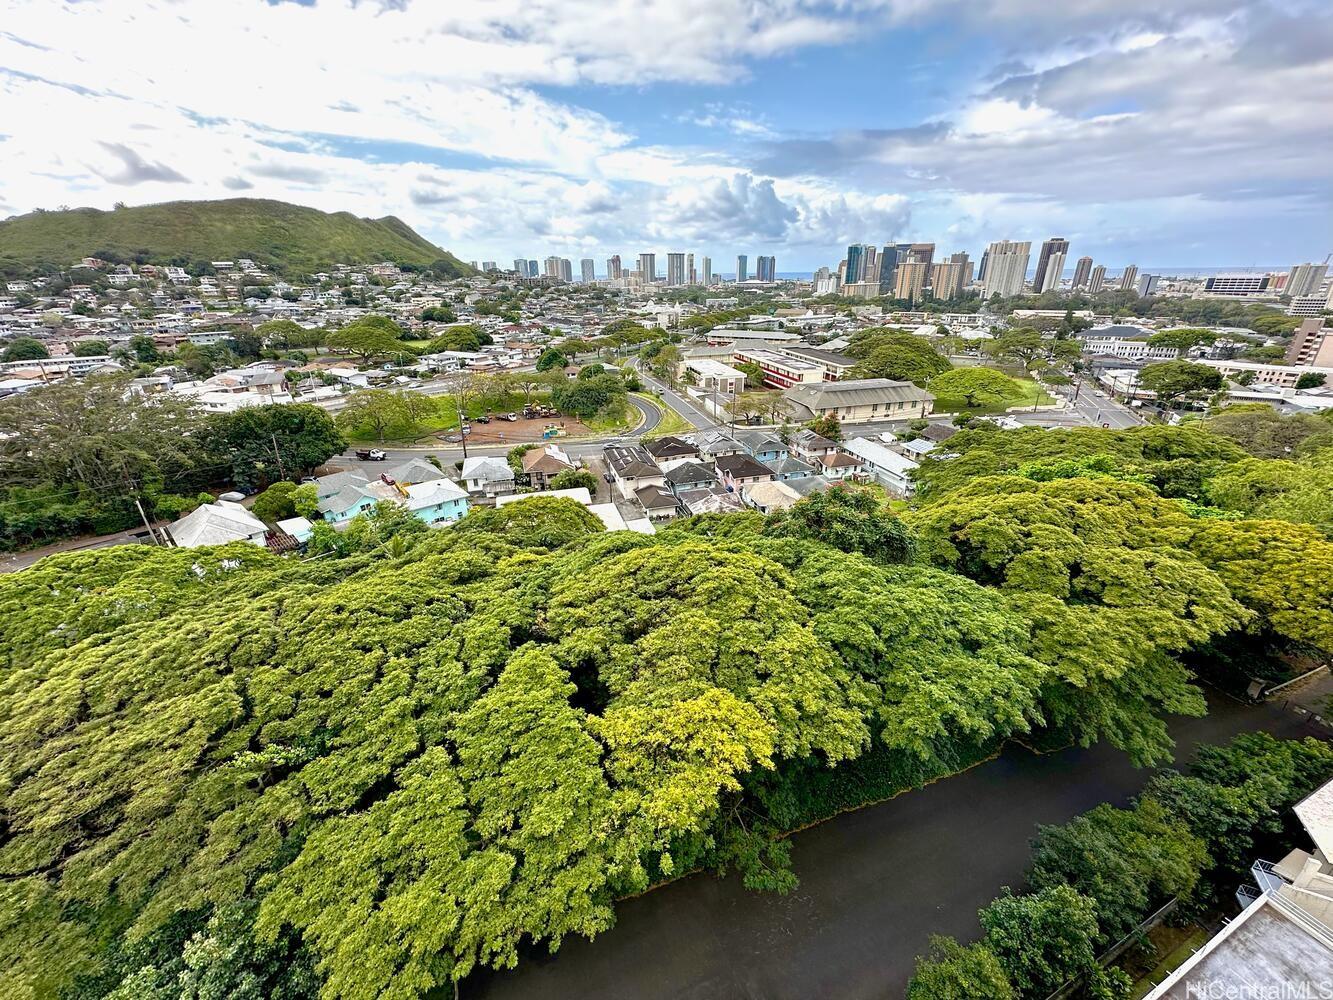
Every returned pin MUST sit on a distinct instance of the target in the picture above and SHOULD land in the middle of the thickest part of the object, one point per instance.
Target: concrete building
(588, 270)
(1281, 944)
(714, 376)
(706, 271)
(1006, 268)
(1097, 278)
(1305, 279)
(1042, 280)
(910, 283)
(742, 267)
(1128, 277)
(781, 371)
(766, 268)
(948, 278)
(1308, 305)
(648, 268)
(613, 268)
(855, 264)
(861, 400)
(1311, 344)
(1282, 375)
(1082, 272)
(1236, 284)
(1148, 284)
(675, 269)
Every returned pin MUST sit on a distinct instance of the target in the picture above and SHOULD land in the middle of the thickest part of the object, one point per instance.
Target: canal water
(875, 884)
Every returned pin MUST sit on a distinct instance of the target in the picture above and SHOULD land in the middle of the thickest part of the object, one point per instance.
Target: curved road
(875, 884)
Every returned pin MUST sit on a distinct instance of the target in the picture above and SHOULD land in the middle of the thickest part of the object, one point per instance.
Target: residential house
(790, 467)
(217, 524)
(939, 433)
(861, 400)
(670, 452)
(762, 446)
(487, 476)
(632, 468)
(543, 464)
(888, 468)
(710, 500)
(736, 471)
(839, 465)
(713, 445)
(658, 503)
(918, 448)
(607, 513)
(770, 496)
(690, 476)
(810, 446)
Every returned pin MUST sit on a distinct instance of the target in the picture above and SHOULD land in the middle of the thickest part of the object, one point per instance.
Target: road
(1097, 408)
(875, 884)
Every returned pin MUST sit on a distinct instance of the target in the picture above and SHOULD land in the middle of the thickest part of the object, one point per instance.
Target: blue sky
(1195, 132)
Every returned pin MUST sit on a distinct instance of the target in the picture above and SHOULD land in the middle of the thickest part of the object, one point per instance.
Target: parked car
(511, 417)
(371, 454)
(485, 418)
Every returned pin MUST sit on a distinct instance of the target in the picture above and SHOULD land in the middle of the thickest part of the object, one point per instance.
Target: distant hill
(290, 239)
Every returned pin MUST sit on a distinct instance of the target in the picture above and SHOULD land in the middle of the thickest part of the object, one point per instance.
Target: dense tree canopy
(976, 386)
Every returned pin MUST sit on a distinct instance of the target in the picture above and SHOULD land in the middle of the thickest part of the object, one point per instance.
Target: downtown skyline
(1191, 137)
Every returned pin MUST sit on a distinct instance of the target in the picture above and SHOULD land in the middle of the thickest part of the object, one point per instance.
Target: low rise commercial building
(861, 400)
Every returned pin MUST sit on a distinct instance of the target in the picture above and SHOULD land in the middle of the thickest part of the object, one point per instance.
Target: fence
(1119, 948)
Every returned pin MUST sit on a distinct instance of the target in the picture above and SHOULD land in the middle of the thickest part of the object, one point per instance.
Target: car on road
(372, 454)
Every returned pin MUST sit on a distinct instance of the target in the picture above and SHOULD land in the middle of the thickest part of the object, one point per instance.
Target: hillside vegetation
(225, 773)
(291, 239)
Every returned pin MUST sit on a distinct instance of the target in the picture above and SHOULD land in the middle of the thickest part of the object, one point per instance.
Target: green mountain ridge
(290, 239)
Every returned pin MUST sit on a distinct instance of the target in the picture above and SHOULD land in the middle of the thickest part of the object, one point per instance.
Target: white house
(217, 524)
(888, 468)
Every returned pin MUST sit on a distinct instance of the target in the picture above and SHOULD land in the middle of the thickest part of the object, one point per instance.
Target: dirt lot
(521, 431)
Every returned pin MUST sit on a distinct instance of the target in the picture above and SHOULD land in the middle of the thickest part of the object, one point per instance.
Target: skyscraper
(675, 269)
(1147, 284)
(707, 271)
(533, 270)
(690, 277)
(742, 267)
(648, 268)
(1128, 276)
(489, 265)
(1305, 279)
(948, 277)
(589, 270)
(521, 266)
(910, 282)
(1097, 279)
(1055, 269)
(766, 268)
(922, 253)
(856, 264)
(613, 270)
(1056, 244)
(1082, 271)
(1006, 268)
(551, 268)
(887, 268)
(981, 268)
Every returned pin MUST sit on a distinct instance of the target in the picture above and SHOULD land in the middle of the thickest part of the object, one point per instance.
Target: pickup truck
(371, 454)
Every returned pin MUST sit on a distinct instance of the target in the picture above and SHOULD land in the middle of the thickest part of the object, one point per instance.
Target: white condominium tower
(1006, 268)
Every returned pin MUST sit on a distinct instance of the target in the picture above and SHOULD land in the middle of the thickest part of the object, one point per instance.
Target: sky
(1157, 132)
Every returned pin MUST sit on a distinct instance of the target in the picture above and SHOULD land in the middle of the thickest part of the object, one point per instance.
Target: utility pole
(461, 436)
(282, 470)
(151, 533)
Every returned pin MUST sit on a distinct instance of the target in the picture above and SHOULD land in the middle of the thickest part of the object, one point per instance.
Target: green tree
(91, 348)
(953, 972)
(1021, 344)
(895, 354)
(1174, 380)
(828, 425)
(551, 358)
(24, 349)
(284, 334)
(1311, 380)
(1182, 338)
(852, 519)
(368, 338)
(571, 479)
(976, 386)
(264, 444)
(276, 503)
(1044, 940)
(382, 410)
(1265, 433)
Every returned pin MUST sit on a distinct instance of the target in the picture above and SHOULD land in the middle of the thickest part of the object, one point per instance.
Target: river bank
(875, 884)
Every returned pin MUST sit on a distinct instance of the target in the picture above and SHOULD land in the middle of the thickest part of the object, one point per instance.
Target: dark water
(875, 884)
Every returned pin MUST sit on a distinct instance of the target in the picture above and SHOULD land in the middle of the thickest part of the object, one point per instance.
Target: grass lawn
(612, 422)
(1193, 939)
(1032, 394)
(671, 421)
